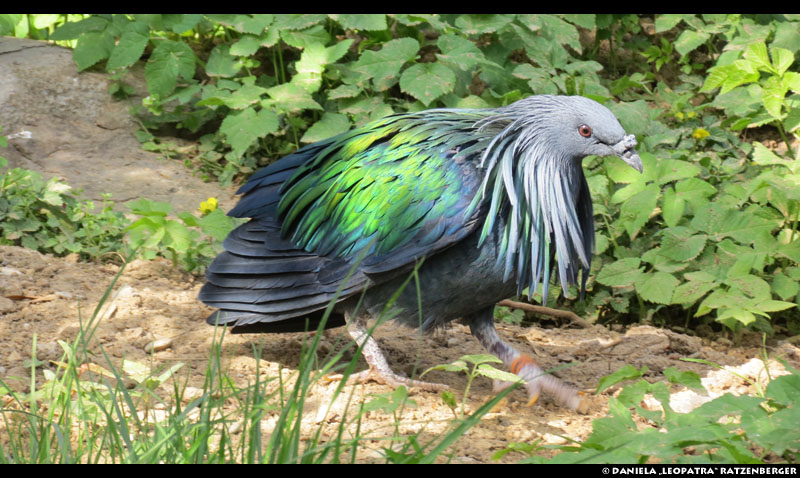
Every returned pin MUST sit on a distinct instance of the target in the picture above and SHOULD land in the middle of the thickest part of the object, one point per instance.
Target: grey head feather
(533, 164)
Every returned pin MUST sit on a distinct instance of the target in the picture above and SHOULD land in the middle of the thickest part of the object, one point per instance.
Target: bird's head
(570, 127)
(585, 127)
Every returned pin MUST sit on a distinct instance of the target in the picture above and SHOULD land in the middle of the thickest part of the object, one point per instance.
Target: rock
(63, 123)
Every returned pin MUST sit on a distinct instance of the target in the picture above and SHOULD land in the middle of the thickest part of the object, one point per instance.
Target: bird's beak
(626, 149)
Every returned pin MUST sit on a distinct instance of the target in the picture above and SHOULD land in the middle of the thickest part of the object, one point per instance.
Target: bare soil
(45, 297)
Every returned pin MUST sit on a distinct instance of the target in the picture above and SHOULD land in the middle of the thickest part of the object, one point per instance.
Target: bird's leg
(379, 370)
(536, 380)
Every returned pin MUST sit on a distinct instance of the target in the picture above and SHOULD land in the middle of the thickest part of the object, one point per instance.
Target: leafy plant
(728, 429)
(48, 217)
(154, 233)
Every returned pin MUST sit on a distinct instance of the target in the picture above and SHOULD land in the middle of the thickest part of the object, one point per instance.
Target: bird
(472, 205)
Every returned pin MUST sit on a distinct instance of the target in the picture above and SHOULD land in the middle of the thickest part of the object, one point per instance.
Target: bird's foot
(537, 381)
(373, 374)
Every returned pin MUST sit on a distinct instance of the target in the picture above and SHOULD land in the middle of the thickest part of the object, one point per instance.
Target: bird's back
(345, 214)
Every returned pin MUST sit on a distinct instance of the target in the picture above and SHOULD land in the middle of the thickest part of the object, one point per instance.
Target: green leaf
(169, 61)
(355, 21)
(690, 292)
(310, 67)
(427, 81)
(222, 63)
(627, 372)
(636, 211)
(680, 245)
(621, 273)
(384, 65)
(656, 287)
(458, 51)
(687, 379)
(675, 169)
(720, 222)
(672, 207)
(785, 287)
(216, 224)
(244, 128)
(329, 125)
(478, 24)
(667, 21)
(129, 49)
(73, 30)
(91, 48)
(303, 38)
(290, 98)
(689, 40)
(782, 59)
(757, 56)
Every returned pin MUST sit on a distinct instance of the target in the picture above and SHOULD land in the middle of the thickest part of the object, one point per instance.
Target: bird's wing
(382, 197)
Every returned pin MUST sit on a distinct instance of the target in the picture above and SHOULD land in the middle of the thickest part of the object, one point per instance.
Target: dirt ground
(44, 296)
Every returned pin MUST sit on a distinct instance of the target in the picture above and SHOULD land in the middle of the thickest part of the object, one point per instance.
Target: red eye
(584, 130)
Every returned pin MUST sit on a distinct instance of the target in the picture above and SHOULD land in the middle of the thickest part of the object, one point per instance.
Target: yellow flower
(208, 205)
(700, 133)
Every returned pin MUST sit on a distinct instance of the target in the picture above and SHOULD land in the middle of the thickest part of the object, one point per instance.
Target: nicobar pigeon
(489, 199)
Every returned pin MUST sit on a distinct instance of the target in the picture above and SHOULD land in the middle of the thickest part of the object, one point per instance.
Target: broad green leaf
(785, 287)
(298, 21)
(585, 20)
(633, 116)
(726, 314)
(128, 51)
(216, 224)
(672, 207)
(178, 236)
(621, 273)
(688, 40)
(757, 56)
(246, 45)
(478, 24)
(694, 191)
(656, 287)
(772, 96)
(562, 32)
(627, 372)
(329, 125)
(169, 61)
(775, 305)
(679, 244)
(384, 65)
(752, 286)
(427, 81)
(636, 210)
(355, 21)
(244, 128)
(222, 63)
(687, 379)
(310, 67)
(91, 48)
(289, 98)
(243, 97)
(675, 169)
(720, 222)
(667, 21)
(180, 23)
(301, 39)
(73, 30)
(782, 59)
(690, 292)
(459, 51)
